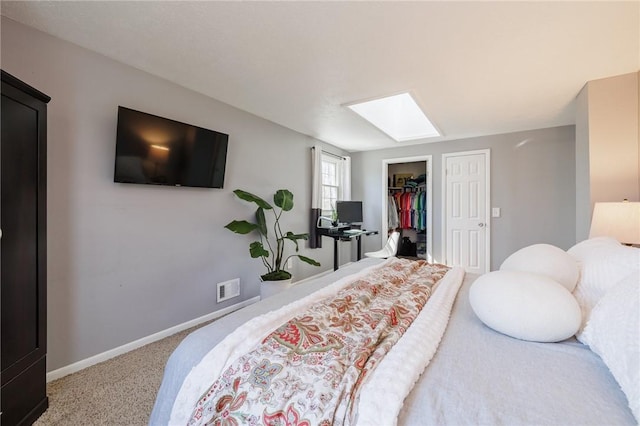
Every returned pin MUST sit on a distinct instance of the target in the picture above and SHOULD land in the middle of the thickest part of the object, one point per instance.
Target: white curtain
(345, 177)
(315, 240)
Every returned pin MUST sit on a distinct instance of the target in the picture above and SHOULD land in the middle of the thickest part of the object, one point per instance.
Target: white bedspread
(387, 386)
(482, 377)
(383, 395)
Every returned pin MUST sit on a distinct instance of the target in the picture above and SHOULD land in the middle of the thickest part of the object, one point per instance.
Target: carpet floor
(120, 391)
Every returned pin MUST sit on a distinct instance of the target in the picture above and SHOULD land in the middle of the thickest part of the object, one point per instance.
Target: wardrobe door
(22, 252)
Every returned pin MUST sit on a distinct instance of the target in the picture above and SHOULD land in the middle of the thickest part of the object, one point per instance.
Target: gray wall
(126, 261)
(532, 181)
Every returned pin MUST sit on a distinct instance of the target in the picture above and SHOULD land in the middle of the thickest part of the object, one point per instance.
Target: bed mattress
(478, 376)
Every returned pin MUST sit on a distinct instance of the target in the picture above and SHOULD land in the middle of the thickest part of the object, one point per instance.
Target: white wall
(613, 138)
(607, 145)
(126, 261)
(583, 184)
(532, 181)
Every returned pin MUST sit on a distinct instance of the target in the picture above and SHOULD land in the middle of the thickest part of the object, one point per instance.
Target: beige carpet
(120, 391)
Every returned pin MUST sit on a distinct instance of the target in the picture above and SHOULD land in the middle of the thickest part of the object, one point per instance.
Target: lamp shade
(617, 220)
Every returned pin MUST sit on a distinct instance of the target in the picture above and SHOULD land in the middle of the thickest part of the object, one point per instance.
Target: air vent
(228, 290)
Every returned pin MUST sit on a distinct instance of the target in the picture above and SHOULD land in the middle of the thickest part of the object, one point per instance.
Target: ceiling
(476, 68)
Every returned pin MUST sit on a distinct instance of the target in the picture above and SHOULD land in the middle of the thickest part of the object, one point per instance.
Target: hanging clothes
(421, 211)
(410, 210)
(392, 213)
(405, 220)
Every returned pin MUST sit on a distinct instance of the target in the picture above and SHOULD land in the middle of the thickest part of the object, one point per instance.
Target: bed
(476, 375)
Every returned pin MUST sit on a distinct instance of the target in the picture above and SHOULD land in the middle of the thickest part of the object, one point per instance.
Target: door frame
(429, 187)
(487, 241)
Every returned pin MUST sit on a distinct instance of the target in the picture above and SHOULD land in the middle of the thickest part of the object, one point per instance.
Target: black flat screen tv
(159, 151)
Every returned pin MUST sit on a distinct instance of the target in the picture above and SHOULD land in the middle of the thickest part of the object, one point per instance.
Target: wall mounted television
(159, 151)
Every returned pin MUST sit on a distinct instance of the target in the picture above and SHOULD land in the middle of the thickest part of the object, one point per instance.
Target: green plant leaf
(257, 250)
(293, 237)
(283, 198)
(262, 221)
(241, 226)
(308, 260)
(272, 253)
(247, 196)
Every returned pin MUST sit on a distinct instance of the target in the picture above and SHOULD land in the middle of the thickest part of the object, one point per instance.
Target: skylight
(398, 116)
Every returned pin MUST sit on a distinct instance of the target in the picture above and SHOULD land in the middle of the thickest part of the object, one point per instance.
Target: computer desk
(344, 235)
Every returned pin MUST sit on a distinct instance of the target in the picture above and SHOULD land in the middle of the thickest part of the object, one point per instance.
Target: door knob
(481, 225)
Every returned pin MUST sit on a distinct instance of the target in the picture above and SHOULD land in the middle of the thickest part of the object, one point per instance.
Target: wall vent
(228, 290)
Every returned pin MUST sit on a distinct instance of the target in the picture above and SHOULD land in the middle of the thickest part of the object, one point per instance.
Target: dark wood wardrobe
(23, 252)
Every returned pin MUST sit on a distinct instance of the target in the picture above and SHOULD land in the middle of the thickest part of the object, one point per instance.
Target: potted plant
(271, 246)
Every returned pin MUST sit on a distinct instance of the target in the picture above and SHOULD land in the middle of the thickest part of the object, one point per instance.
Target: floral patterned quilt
(310, 370)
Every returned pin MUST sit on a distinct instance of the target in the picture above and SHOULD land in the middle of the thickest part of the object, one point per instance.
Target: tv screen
(349, 211)
(158, 151)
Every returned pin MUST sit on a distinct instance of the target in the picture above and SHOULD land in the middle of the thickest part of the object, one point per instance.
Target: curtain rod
(330, 153)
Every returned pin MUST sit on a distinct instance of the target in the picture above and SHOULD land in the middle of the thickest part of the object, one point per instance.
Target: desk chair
(389, 250)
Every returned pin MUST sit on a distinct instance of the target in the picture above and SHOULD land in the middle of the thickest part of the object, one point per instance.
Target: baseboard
(321, 274)
(313, 277)
(104, 356)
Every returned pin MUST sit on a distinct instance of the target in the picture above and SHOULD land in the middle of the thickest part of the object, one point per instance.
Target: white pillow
(525, 306)
(545, 259)
(585, 247)
(613, 332)
(603, 263)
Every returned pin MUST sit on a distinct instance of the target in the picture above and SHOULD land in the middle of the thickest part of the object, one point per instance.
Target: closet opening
(407, 205)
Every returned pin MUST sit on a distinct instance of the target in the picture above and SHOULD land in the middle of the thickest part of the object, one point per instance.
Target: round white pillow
(603, 263)
(545, 259)
(525, 306)
(613, 333)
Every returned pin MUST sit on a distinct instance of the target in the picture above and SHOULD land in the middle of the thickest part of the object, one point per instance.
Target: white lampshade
(617, 220)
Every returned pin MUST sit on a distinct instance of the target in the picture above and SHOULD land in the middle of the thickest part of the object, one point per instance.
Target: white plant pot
(269, 288)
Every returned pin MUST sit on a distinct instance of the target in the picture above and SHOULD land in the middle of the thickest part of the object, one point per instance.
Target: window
(331, 181)
(331, 187)
(398, 116)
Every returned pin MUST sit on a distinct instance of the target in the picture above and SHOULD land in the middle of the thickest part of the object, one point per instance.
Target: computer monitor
(349, 211)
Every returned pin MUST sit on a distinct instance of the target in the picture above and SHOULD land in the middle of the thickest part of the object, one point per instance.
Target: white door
(466, 189)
